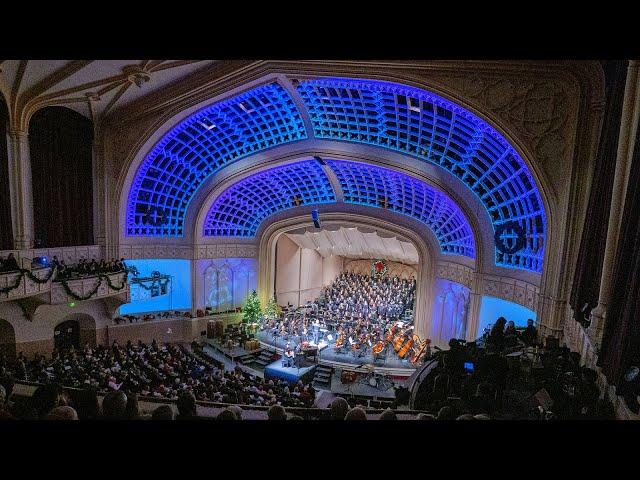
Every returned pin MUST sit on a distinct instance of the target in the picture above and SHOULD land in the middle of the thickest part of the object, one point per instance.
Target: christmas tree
(252, 310)
(272, 310)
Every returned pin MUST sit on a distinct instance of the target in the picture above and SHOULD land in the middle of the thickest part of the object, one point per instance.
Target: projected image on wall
(450, 311)
(491, 308)
(227, 282)
(158, 285)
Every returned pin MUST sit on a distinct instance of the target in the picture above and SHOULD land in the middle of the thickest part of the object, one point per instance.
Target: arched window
(60, 142)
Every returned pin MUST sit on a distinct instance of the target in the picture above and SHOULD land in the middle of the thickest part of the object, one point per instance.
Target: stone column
(628, 125)
(475, 300)
(20, 188)
(99, 204)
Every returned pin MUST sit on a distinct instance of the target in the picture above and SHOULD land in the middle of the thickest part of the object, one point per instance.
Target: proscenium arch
(425, 269)
(241, 208)
(509, 164)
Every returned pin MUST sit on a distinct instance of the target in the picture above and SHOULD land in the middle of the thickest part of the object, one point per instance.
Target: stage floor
(290, 374)
(390, 360)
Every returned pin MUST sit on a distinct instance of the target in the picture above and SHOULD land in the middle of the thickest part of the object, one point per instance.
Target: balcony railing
(40, 282)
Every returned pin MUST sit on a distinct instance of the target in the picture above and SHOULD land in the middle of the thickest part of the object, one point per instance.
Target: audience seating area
(470, 381)
(516, 383)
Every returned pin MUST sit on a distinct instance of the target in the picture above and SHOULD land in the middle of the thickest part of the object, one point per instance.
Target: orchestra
(357, 315)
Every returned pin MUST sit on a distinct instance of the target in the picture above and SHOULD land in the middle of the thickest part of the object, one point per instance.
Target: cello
(403, 351)
(399, 341)
(391, 332)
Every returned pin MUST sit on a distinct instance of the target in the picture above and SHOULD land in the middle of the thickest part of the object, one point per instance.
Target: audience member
(62, 413)
(114, 405)
(339, 408)
(163, 412)
(530, 334)
(276, 412)
(226, 414)
(388, 414)
(356, 413)
(186, 406)
(446, 413)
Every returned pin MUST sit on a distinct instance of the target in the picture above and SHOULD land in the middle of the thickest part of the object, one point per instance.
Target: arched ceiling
(387, 115)
(91, 87)
(241, 208)
(351, 242)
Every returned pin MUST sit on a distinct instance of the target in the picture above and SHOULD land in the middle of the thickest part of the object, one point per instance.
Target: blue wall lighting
(491, 308)
(149, 295)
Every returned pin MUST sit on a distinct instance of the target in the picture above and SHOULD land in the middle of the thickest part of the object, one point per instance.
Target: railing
(18, 284)
(70, 255)
(29, 283)
(86, 288)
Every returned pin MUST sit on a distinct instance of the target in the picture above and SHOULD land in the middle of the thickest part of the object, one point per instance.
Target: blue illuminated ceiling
(201, 145)
(381, 187)
(431, 128)
(388, 115)
(240, 209)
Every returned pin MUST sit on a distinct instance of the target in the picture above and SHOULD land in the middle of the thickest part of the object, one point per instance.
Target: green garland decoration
(12, 287)
(80, 298)
(101, 277)
(112, 286)
(32, 277)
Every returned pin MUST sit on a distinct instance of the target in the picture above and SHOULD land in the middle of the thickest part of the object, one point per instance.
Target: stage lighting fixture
(315, 216)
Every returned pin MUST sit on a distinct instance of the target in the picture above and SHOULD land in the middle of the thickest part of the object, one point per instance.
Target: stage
(290, 374)
(327, 354)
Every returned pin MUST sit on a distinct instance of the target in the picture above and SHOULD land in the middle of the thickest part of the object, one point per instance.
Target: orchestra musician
(289, 354)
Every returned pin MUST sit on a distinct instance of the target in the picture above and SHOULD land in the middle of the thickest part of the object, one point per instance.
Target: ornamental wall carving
(185, 252)
(455, 272)
(516, 291)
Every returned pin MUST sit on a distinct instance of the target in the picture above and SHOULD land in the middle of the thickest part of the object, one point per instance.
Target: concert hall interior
(316, 240)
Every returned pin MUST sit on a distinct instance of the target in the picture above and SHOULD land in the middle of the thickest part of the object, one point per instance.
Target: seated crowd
(369, 296)
(536, 384)
(361, 307)
(84, 268)
(162, 371)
